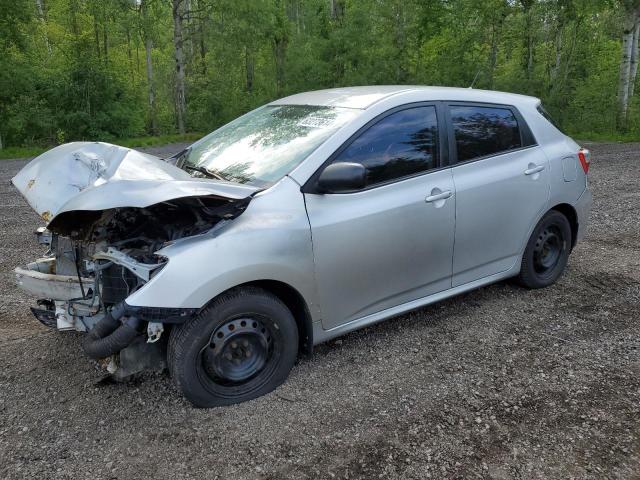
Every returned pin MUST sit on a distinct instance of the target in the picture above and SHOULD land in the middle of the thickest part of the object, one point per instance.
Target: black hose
(121, 338)
(109, 336)
(108, 323)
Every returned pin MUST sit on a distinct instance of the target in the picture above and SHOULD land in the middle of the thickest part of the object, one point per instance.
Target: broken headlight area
(96, 259)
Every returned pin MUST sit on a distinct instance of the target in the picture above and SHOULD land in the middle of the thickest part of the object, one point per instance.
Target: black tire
(547, 252)
(242, 346)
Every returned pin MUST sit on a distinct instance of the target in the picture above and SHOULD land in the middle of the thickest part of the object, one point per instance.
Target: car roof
(365, 97)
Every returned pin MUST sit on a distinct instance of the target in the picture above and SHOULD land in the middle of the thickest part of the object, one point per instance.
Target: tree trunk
(96, 35)
(555, 70)
(105, 43)
(400, 42)
(249, 65)
(73, 8)
(42, 17)
(148, 49)
(336, 9)
(137, 57)
(496, 30)
(493, 56)
(529, 29)
(148, 46)
(181, 103)
(199, 35)
(624, 77)
(634, 60)
(203, 50)
(527, 6)
(188, 27)
(570, 54)
(279, 50)
(129, 54)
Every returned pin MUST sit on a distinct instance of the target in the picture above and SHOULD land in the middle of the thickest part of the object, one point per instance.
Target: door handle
(438, 196)
(534, 170)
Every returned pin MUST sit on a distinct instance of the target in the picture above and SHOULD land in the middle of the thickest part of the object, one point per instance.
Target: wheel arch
(570, 212)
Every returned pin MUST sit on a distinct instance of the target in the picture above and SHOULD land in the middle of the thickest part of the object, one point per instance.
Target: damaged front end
(106, 221)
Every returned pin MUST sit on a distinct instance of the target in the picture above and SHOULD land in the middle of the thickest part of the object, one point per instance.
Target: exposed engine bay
(108, 210)
(96, 259)
(104, 256)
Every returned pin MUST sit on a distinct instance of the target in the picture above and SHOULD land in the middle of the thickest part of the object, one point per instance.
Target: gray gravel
(497, 383)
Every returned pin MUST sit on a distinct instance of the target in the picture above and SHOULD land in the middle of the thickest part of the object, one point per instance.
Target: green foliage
(136, 142)
(76, 69)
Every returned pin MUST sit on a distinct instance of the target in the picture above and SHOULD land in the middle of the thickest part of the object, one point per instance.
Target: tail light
(584, 156)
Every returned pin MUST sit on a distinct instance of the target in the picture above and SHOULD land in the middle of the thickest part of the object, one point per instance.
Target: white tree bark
(42, 17)
(178, 43)
(148, 48)
(634, 59)
(625, 70)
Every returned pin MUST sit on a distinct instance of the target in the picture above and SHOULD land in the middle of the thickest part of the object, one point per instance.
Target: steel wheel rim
(548, 250)
(237, 351)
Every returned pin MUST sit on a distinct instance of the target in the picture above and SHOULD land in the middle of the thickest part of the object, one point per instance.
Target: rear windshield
(549, 118)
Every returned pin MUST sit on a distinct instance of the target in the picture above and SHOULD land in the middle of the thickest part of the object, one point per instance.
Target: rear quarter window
(480, 131)
(549, 118)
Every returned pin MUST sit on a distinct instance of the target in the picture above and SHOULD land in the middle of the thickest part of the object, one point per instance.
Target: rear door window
(480, 131)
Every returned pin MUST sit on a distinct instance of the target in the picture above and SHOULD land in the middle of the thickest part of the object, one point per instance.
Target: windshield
(264, 145)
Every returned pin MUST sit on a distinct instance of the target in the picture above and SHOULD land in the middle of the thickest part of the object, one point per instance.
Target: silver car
(305, 219)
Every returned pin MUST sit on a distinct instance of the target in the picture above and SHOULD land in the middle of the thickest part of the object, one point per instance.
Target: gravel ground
(497, 383)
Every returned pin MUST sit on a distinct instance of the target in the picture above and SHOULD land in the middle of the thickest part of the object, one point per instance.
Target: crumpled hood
(98, 176)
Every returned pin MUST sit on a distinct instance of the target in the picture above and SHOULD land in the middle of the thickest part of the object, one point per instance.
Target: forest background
(138, 72)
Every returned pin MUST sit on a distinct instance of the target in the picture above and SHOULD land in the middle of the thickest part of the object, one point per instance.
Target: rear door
(501, 178)
(391, 242)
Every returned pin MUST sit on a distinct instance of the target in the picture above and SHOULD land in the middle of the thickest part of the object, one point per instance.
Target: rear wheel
(240, 347)
(547, 252)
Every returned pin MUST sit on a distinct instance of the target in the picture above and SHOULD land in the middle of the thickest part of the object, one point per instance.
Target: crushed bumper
(50, 285)
(161, 314)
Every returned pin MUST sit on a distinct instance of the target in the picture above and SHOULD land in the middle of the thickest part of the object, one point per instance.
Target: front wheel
(240, 347)
(547, 252)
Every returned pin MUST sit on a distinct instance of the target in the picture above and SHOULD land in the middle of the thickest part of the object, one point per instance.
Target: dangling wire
(76, 254)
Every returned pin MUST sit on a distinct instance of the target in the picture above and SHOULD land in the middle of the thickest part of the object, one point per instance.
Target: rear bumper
(583, 209)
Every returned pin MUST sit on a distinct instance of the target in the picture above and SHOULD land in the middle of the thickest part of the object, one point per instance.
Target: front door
(391, 242)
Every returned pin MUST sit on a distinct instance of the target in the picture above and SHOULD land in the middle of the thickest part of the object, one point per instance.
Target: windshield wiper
(204, 171)
(177, 157)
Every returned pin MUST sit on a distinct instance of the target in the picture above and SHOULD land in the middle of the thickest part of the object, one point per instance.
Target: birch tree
(628, 60)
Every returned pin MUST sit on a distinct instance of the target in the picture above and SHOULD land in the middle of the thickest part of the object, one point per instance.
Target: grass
(137, 142)
(156, 141)
(605, 137)
(20, 152)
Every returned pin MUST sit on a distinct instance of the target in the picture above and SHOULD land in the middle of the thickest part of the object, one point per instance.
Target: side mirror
(342, 177)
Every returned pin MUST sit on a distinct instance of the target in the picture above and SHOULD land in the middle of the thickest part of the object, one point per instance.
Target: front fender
(271, 240)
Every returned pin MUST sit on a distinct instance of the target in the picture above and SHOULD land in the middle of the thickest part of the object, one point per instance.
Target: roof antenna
(474, 79)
